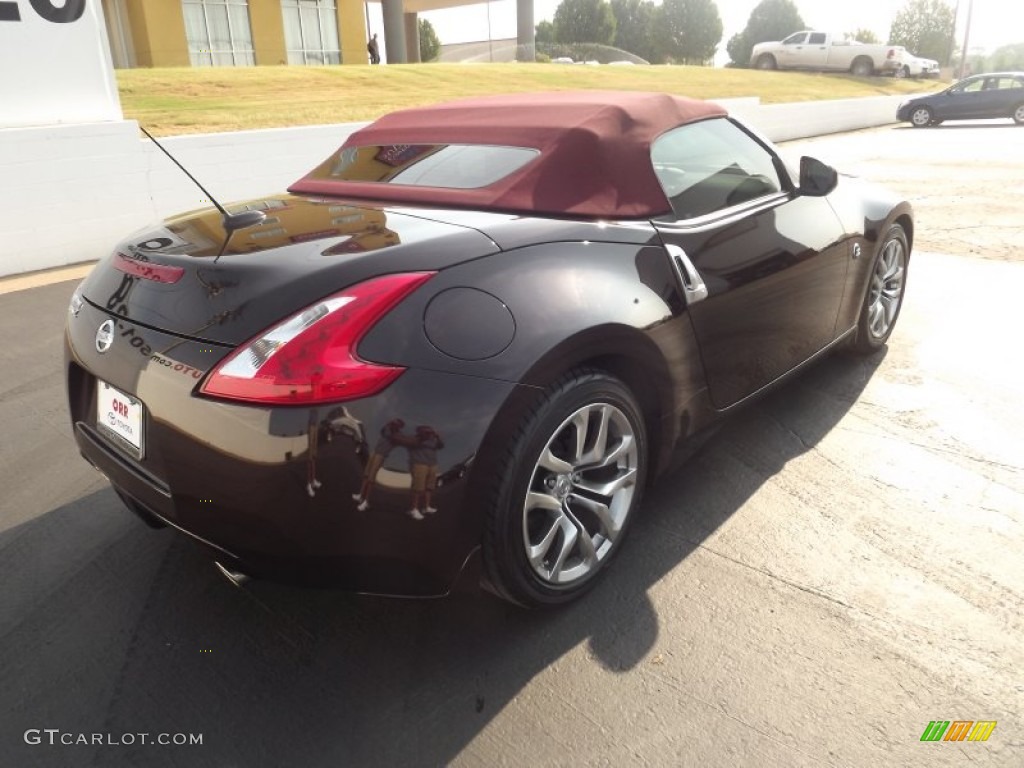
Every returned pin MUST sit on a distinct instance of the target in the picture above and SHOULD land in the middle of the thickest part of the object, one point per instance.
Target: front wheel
(921, 117)
(566, 489)
(766, 61)
(1018, 114)
(884, 297)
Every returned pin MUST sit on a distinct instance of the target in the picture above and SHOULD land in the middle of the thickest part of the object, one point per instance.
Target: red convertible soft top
(594, 152)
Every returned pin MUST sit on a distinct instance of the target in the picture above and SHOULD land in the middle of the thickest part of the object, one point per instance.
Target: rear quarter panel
(572, 303)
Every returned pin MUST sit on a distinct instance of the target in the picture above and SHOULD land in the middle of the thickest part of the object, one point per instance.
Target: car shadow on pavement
(108, 627)
(958, 126)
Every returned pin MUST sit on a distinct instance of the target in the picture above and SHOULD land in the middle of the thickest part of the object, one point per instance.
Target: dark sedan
(564, 288)
(996, 94)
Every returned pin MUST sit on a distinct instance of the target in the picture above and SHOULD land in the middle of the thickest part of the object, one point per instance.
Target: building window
(311, 31)
(218, 33)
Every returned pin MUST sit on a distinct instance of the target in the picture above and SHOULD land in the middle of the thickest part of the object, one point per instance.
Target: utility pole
(490, 39)
(967, 40)
(952, 36)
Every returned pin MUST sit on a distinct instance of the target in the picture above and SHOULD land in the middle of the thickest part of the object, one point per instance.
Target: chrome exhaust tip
(235, 577)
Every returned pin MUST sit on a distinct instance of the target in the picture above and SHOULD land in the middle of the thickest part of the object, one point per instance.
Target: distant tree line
(1008, 58)
(677, 31)
(689, 31)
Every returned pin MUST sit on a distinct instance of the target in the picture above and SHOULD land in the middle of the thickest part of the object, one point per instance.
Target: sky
(994, 22)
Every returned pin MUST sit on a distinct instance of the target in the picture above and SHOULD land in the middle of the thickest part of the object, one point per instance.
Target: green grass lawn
(185, 100)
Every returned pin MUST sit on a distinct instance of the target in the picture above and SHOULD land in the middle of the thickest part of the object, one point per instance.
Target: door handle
(694, 288)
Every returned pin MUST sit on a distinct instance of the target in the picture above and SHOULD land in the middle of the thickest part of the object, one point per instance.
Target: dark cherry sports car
(468, 339)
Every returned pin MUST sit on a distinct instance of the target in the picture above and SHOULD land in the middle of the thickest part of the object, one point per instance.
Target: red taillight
(160, 273)
(311, 356)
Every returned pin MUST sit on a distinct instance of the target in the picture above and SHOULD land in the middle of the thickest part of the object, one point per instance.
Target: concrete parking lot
(841, 564)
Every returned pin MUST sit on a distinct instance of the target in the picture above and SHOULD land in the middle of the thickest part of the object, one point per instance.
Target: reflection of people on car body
(390, 436)
(313, 437)
(423, 466)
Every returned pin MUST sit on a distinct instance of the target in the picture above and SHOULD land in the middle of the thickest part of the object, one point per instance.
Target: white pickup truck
(822, 51)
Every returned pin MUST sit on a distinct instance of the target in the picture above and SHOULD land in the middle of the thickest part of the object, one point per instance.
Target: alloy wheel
(921, 117)
(886, 291)
(580, 494)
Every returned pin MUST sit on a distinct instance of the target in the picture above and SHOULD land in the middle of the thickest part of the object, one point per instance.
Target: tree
(544, 33)
(770, 20)
(584, 21)
(925, 28)
(736, 47)
(688, 31)
(1007, 58)
(863, 35)
(430, 46)
(634, 20)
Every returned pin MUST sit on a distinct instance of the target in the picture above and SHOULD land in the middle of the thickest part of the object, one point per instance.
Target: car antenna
(230, 221)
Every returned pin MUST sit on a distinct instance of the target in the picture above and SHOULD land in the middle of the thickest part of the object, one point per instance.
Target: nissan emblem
(105, 336)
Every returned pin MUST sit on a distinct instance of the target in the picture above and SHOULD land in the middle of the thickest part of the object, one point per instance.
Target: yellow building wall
(267, 31)
(352, 32)
(158, 33)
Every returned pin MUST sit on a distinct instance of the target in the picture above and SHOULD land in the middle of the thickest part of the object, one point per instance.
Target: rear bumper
(269, 491)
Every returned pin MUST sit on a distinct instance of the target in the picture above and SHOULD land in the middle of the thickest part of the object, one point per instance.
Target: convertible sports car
(465, 343)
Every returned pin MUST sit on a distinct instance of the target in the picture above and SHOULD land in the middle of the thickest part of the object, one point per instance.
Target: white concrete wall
(785, 122)
(69, 193)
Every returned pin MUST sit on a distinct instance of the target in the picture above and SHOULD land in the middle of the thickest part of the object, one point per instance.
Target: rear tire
(566, 489)
(902, 73)
(884, 297)
(862, 67)
(766, 61)
(1018, 114)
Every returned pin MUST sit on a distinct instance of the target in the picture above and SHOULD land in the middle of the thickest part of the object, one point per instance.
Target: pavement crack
(796, 585)
(910, 694)
(977, 226)
(735, 718)
(937, 449)
(807, 446)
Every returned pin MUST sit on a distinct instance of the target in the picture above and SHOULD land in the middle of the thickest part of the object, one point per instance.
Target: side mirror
(816, 178)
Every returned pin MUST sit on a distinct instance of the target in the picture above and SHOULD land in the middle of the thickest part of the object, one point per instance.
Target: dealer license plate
(119, 416)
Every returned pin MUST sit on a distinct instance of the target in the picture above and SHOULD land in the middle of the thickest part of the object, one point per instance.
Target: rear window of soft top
(450, 166)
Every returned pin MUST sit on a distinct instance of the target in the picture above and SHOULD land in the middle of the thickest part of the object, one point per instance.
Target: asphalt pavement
(840, 565)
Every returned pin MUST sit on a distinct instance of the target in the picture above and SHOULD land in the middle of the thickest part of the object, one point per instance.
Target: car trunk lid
(171, 278)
